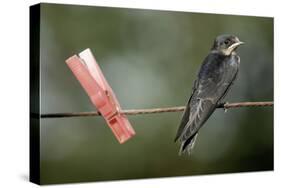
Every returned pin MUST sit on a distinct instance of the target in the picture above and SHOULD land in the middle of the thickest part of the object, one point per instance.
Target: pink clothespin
(89, 74)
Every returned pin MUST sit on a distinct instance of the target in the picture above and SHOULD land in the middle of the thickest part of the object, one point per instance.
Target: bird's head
(226, 44)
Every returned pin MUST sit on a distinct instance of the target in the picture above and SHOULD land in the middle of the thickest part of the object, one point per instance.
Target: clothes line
(156, 110)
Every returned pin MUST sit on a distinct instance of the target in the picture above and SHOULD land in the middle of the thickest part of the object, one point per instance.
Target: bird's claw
(225, 109)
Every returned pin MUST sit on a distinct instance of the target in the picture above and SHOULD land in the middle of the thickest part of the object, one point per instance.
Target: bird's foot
(225, 109)
(222, 105)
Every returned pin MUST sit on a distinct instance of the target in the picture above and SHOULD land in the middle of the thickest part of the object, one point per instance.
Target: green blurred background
(150, 58)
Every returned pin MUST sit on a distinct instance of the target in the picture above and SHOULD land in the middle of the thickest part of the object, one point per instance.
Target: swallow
(214, 79)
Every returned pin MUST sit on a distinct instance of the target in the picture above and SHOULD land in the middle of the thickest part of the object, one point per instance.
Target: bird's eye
(226, 42)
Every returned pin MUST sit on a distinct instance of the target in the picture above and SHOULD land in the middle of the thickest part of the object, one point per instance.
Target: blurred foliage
(150, 59)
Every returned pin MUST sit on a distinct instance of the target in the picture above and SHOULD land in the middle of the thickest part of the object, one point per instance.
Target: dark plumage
(216, 75)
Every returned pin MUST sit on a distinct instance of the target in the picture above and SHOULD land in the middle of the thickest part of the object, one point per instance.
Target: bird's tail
(187, 145)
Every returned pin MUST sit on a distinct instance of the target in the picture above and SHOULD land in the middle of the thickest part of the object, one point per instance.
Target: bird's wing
(214, 80)
(185, 116)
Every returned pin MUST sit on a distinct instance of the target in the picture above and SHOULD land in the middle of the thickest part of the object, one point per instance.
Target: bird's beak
(239, 43)
(235, 45)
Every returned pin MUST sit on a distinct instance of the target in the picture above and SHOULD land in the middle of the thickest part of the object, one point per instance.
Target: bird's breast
(234, 60)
